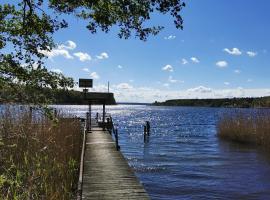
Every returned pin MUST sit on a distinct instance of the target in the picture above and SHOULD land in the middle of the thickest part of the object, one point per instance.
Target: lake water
(184, 158)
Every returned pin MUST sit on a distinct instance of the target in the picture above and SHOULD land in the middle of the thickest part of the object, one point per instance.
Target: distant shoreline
(247, 102)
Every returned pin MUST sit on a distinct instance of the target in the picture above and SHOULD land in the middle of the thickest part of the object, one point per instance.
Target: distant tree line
(51, 96)
(248, 102)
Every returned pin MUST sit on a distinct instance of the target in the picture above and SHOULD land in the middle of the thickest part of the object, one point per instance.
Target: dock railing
(80, 181)
(109, 126)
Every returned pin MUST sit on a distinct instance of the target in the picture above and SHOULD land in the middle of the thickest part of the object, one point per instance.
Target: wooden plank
(107, 174)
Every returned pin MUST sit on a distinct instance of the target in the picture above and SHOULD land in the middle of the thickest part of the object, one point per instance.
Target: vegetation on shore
(39, 159)
(248, 102)
(55, 96)
(244, 127)
(50, 96)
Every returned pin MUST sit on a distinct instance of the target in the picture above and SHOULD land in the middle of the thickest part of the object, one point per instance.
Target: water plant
(39, 159)
(251, 127)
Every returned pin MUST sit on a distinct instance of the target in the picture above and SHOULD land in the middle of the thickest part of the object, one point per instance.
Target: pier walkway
(106, 173)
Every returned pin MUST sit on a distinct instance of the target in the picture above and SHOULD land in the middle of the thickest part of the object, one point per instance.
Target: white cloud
(226, 83)
(168, 68)
(171, 80)
(82, 56)
(233, 51)
(34, 65)
(200, 89)
(170, 37)
(184, 61)
(94, 75)
(68, 45)
(124, 86)
(120, 66)
(251, 53)
(85, 69)
(56, 52)
(56, 71)
(103, 55)
(222, 64)
(127, 93)
(131, 81)
(237, 71)
(60, 50)
(194, 59)
(166, 84)
(249, 80)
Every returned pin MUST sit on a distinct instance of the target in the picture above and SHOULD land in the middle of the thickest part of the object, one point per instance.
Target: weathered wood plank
(107, 174)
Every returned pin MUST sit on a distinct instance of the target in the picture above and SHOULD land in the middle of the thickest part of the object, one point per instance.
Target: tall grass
(251, 127)
(38, 158)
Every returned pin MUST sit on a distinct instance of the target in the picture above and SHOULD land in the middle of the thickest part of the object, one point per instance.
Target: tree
(26, 30)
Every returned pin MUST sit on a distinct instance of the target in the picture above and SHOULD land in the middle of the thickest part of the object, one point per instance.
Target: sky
(223, 51)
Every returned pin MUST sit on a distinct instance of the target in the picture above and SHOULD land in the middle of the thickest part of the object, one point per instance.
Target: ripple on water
(183, 158)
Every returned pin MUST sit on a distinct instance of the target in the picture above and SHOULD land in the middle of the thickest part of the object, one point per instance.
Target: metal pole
(108, 86)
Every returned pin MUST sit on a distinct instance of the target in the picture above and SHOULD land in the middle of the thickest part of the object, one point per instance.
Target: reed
(246, 127)
(39, 159)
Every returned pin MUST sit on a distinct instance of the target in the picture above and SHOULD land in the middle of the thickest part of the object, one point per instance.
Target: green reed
(39, 159)
(243, 127)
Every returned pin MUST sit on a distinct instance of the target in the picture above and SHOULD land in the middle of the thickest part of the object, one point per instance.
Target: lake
(183, 157)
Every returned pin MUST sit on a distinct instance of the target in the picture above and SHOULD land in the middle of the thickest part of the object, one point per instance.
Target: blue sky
(223, 51)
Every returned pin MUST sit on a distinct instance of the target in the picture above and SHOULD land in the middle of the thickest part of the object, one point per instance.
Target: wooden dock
(106, 173)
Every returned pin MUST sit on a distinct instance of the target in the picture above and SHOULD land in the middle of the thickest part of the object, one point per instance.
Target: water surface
(184, 158)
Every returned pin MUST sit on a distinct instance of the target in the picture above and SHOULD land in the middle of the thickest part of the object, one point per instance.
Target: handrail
(109, 125)
(79, 190)
(115, 132)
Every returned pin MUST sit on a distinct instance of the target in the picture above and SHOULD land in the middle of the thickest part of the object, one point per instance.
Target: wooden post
(144, 133)
(103, 116)
(148, 127)
(55, 112)
(97, 117)
(116, 140)
(90, 123)
(87, 121)
(30, 114)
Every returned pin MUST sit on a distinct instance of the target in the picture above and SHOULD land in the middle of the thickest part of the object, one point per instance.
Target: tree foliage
(27, 28)
(245, 102)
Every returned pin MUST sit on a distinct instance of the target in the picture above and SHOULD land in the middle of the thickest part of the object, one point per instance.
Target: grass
(38, 158)
(243, 127)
